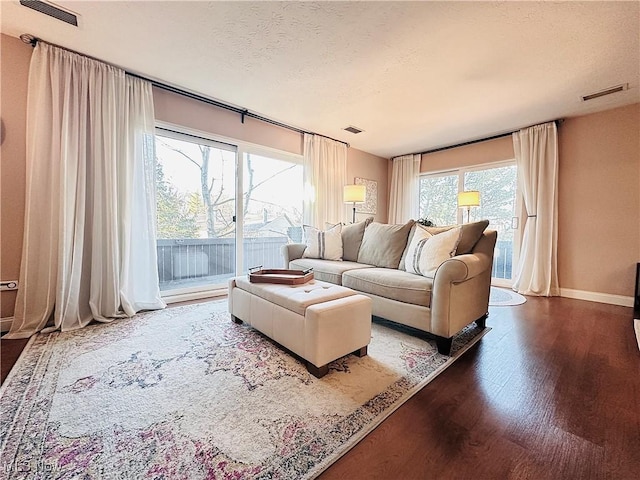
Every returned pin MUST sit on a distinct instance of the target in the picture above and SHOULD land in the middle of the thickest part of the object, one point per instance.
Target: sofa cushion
(352, 234)
(471, 233)
(426, 252)
(382, 245)
(389, 283)
(323, 244)
(326, 270)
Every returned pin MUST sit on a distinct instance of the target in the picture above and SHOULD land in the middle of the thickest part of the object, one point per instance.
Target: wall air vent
(51, 10)
(608, 91)
(352, 129)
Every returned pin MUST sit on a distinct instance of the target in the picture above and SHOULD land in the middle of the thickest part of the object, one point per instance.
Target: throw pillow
(352, 238)
(471, 233)
(427, 252)
(326, 245)
(382, 245)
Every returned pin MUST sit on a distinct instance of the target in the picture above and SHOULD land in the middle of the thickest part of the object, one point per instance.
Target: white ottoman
(318, 321)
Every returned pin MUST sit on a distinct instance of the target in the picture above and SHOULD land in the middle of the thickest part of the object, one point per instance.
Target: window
(438, 198)
(497, 185)
(195, 204)
(222, 209)
(272, 208)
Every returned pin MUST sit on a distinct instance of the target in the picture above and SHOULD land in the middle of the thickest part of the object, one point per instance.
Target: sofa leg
(236, 319)
(482, 321)
(444, 345)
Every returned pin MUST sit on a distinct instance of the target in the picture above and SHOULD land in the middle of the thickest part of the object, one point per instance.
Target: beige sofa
(374, 263)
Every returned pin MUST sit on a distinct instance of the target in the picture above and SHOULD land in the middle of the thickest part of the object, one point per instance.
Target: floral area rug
(184, 393)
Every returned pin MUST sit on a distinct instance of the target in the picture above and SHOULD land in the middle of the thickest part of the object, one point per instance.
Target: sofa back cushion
(352, 234)
(382, 244)
(426, 252)
(471, 233)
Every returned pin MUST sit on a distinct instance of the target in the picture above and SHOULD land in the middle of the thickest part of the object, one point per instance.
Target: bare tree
(212, 188)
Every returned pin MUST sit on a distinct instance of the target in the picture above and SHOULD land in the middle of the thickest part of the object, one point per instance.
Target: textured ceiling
(413, 75)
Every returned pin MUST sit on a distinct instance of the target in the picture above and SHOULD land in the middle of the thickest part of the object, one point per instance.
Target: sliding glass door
(271, 208)
(221, 209)
(497, 185)
(196, 208)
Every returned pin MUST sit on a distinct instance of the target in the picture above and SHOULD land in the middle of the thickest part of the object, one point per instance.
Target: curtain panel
(404, 193)
(89, 240)
(325, 175)
(536, 151)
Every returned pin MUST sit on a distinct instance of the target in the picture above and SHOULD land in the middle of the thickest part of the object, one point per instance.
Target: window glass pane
(195, 201)
(497, 188)
(272, 190)
(439, 198)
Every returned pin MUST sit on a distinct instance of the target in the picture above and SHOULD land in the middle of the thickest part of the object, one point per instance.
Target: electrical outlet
(9, 285)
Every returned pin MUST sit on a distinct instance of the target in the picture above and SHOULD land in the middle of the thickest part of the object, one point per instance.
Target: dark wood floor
(552, 392)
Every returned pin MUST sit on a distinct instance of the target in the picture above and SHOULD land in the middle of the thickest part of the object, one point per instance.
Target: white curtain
(403, 197)
(325, 175)
(536, 151)
(89, 240)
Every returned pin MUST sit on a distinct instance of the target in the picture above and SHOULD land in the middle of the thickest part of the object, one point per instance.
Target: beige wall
(599, 218)
(14, 68)
(169, 107)
(598, 201)
(364, 165)
(474, 154)
(183, 111)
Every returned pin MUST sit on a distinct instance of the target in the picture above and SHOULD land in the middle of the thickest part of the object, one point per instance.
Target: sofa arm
(463, 267)
(292, 251)
(460, 293)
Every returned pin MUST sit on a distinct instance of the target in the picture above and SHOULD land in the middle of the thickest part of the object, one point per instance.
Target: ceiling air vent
(51, 10)
(352, 129)
(608, 91)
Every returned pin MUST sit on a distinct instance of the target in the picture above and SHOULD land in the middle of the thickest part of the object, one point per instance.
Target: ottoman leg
(236, 319)
(361, 352)
(317, 372)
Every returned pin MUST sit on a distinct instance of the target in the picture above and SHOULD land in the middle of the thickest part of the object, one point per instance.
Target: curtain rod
(243, 112)
(471, 142)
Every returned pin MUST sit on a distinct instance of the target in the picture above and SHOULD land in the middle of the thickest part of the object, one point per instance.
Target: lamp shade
(470, 198)
(354, 193)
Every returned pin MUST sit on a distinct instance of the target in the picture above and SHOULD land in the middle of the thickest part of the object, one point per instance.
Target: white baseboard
(5, 324)
(597, 297)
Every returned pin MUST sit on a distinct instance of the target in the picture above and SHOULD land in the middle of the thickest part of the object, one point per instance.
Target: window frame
(240, 147)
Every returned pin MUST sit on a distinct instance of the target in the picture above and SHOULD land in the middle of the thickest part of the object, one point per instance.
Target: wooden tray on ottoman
(282, 276)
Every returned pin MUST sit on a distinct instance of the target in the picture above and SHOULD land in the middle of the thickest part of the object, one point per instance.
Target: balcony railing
(190, 262)
(502, 260)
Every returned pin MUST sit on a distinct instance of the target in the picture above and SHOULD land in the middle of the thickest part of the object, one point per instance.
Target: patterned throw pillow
(427, 252)
(326, 245)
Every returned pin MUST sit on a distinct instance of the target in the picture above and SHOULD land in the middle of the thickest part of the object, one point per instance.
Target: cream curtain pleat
(89, 241)
(536, 151)
(403, 196)
(325, 175)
